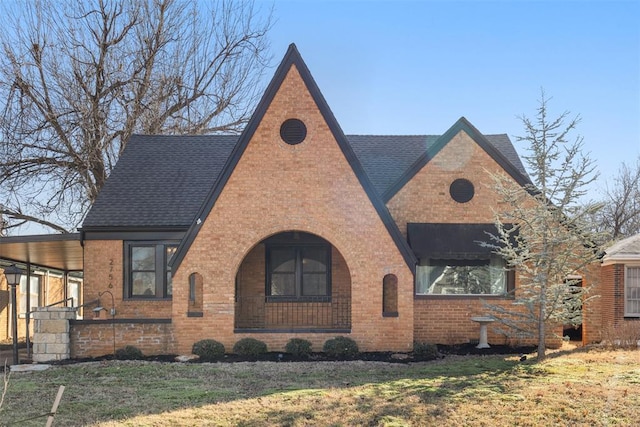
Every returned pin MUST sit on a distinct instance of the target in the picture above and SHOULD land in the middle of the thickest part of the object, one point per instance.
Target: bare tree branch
(77, 79)
(13, 215)
(620, 215)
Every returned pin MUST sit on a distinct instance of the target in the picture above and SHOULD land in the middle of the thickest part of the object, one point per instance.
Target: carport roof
(55, 251)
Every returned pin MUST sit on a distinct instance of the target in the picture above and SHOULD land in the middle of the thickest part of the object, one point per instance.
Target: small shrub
(298, 347)
(425, 351)
(249, 347)
(129, 352)
(341, 348)
(208, 350)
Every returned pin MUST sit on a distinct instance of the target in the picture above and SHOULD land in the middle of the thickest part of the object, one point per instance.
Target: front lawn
(572, 388)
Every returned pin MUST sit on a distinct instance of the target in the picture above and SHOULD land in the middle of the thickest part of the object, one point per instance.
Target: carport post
(12, 274)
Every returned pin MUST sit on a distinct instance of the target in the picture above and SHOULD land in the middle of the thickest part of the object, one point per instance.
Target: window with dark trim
(298, 267)
(147, 272)
(464, 277)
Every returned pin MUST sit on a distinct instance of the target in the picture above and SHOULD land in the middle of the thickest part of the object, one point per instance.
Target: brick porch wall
(92, 338)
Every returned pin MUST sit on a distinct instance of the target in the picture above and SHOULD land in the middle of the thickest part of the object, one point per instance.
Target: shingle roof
(624, 250)
(385, 158)
(162, 181)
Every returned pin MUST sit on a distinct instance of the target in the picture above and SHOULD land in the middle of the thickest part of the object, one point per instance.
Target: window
(34, 294)
(147, 273)
(632, 292)
(464, 277)
(73, 291)
(298, 269)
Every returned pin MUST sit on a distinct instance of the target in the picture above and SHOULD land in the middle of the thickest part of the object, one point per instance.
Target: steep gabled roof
(388, 158)
(293, 58)
(160, 182)
(502, 152)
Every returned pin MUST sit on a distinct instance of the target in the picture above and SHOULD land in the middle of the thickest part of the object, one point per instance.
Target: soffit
(56, 251)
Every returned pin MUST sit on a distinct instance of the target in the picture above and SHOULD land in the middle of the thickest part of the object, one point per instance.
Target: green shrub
(298, 347)
(341, 348)
(129, 352)
(425, 351)
(208, 350)
(249, 347)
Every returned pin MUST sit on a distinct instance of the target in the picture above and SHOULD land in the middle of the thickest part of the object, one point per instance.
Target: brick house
(294, 229)
(620, 278)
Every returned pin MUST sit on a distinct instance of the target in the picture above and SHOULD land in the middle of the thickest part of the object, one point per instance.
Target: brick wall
(103, 271)
(308, 187)
(96, 338)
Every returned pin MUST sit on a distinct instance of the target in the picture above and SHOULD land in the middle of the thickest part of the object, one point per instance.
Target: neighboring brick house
(293, 229)
(620, 279)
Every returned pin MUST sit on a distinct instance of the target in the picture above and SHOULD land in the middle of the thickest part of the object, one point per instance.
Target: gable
(304, 101)
(391, 160)
(500, 150)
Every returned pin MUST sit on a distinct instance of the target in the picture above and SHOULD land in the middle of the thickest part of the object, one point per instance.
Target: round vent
(461, 190)
(293, 131)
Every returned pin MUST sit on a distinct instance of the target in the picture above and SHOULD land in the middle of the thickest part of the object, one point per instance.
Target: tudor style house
(294, 229)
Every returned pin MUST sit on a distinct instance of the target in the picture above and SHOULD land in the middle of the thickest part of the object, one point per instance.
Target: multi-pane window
(33, 291)
(147, 269)
(298, 270)
(632, 292)
(463, 277)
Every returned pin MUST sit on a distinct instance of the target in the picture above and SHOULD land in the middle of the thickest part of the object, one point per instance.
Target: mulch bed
(389, 357)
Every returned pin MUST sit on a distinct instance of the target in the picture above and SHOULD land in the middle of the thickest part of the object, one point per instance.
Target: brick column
(51, 333)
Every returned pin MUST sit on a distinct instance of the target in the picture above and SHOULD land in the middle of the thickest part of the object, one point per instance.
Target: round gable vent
(293, 131)
(461, 190)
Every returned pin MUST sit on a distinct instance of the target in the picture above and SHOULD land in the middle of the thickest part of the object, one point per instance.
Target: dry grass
(594, 387)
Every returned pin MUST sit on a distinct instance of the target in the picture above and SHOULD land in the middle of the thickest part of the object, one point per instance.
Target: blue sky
(415, 67)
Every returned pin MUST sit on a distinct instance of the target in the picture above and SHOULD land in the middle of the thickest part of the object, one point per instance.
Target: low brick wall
(92, 338)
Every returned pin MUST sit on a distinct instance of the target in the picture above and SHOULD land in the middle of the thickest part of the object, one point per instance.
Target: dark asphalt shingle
(162, 181)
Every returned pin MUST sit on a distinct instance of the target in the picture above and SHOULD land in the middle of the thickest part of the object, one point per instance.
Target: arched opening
(293, 281)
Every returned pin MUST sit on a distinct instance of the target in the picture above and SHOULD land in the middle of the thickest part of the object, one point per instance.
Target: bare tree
(620, 215)
(542, 232)
(77, 79)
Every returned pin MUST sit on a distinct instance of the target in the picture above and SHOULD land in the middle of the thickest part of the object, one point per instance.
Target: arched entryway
(293, 281)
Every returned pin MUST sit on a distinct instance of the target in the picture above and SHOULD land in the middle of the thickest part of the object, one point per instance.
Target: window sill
(276, 299)
(463, 296)
(145, 299)
(390, 314)
(195, 314)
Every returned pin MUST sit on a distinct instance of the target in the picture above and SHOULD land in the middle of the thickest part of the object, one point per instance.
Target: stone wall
(51, 333)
